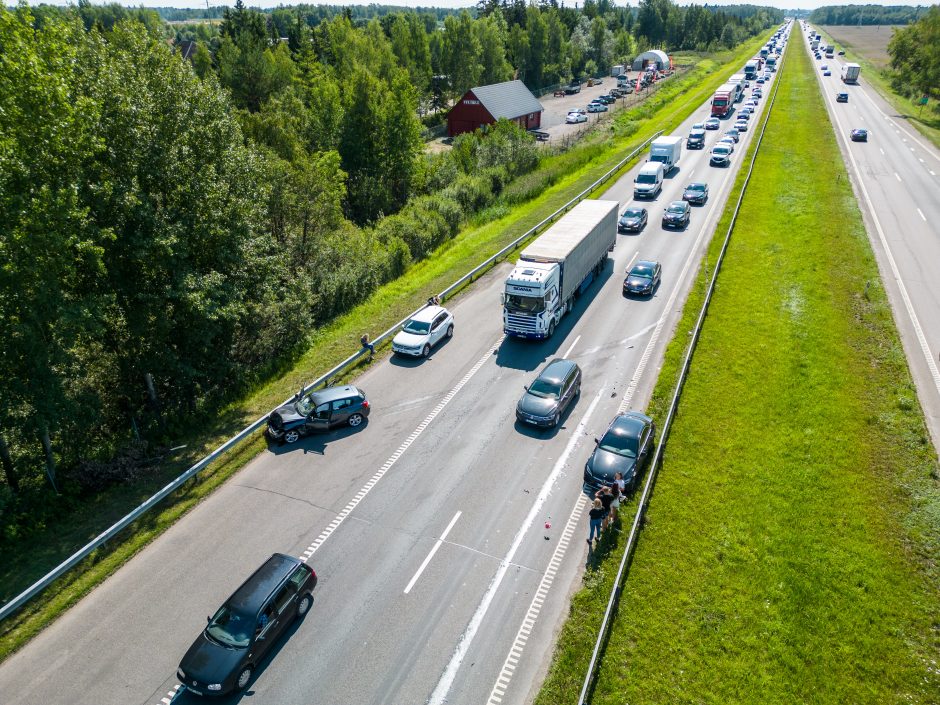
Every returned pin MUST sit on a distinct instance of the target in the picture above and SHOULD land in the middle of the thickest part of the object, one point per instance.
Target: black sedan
(677, 215)
(860, 134)
(696, 193)
(633, 220)
(643, 278)
(546, 399)
(624, 448)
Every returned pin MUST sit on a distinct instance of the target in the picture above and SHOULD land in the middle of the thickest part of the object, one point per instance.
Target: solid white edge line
(439, 695)
(892, 263)
(571, 347)
(430, 555)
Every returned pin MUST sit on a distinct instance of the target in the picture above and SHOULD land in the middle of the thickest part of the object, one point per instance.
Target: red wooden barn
(484, 105)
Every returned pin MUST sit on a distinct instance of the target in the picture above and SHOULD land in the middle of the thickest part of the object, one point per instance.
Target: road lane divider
(535, 607)
(437, 545)
(393, 458)
(439, 694)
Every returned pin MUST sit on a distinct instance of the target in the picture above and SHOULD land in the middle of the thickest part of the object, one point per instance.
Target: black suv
(546, 399)
(318, 411)
(244, 629)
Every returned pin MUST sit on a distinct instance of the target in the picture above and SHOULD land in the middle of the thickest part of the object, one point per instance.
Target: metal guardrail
(17, 602)
(627, 558)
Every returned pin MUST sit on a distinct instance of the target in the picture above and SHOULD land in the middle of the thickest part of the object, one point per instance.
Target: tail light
(365, 403)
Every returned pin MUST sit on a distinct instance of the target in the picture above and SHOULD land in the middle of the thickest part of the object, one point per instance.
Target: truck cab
(531, 299)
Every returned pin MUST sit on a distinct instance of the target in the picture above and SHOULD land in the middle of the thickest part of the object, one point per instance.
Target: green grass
(926, 120)
(565, 175)
(789, 554)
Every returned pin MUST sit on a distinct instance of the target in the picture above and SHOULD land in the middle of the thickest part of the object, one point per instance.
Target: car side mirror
(525, 387)
(597, 441)
(208, 619)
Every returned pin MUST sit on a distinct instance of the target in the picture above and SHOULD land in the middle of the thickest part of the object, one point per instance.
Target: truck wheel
(551, 329)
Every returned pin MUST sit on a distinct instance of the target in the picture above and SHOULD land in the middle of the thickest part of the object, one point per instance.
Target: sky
(804, 4)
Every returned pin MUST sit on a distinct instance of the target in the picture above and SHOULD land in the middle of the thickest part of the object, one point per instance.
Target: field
(558, 179)
(868, 41)
(789, 554)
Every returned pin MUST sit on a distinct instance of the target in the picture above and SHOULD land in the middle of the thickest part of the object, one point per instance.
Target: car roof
(427, 314)
(679, 204)
(645, 263)
(556, 370)
(696, 184)
(251, 595)
(333, 393)
(629, 424)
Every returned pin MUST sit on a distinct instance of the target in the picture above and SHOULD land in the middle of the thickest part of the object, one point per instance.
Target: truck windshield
(656, 158)
(524, 304)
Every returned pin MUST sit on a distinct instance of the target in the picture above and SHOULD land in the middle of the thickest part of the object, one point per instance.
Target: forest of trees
(915, 58)
(865, 14)
(174, 230)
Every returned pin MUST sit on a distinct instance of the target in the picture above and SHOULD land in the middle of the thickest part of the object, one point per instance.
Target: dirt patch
(870, 42)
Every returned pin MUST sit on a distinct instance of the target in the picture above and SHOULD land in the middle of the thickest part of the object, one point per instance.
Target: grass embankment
(924, 118)
(558, 179)
(789, 553)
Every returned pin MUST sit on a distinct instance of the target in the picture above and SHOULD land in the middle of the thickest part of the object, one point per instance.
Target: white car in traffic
(423, 331)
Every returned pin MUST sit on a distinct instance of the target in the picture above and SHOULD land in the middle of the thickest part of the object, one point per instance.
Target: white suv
(423, 331)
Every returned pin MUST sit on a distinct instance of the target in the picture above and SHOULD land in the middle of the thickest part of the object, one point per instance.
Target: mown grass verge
(564, 174)
(923, 118)
(789, 553)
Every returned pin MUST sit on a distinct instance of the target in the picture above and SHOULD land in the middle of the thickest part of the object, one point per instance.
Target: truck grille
(523, 323)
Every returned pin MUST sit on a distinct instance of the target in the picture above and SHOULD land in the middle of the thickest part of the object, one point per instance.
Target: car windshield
(230, 628)
(677, 209)
(721, 149)
(619, 444)
(417, 327)
(305, 406)
(642, 270)
(524, 304)
(633, 213)
(646, 179)
(545, 389)
(696, 187)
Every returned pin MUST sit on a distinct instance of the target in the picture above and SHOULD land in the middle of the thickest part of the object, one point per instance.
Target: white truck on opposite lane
(556, 267)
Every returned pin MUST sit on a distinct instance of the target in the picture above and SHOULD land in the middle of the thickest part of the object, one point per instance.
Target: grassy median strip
(332, 343)
(789, 554)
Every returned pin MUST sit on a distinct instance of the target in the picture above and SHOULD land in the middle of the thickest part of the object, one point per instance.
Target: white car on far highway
(423, 331)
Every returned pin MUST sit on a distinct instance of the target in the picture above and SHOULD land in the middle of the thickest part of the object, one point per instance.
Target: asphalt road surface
(404, 614)
(895, 176)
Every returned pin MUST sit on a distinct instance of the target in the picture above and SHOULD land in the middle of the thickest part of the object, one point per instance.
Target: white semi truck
(850, 73)
(556, 267)
(666, 150)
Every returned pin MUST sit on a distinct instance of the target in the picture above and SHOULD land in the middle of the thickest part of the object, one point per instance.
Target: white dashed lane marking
(430, 555)
(373, 481)
(921, 214)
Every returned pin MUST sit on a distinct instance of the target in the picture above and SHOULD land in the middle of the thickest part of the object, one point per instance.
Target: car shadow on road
(316, 443)
(527, 355)
(408, 361)
(187, 698)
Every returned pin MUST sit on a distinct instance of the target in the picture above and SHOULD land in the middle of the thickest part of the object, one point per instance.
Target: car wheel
(450, 331)
(244, 678)
(426, 350)
(292, 436)
(304, 605)
(555, 419)
(356, 420)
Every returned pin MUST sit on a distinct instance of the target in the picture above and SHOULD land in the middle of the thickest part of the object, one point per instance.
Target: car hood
(632, 220)
(410, 340)
(638, 282)
(288, 414)
(692, 194)
(537, 406)
(603, 465)
(209, 662)
(673, 216)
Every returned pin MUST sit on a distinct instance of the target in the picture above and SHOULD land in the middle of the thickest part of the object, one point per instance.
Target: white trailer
(850, 73)
(666, 150)
(556, 267)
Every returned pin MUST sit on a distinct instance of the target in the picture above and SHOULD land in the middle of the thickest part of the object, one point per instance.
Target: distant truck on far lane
(850, 73)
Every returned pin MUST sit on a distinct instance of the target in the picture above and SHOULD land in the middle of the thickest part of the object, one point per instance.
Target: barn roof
(507, 100)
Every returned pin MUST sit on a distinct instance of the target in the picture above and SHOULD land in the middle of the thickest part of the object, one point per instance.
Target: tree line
(174, 230)
(865, 14)
(915, 58)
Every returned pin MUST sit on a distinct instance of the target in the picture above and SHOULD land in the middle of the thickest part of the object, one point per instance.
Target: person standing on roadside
(614, 502)
(597, 517)
(606, 498)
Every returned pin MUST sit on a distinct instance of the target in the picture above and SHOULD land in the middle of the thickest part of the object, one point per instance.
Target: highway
(438, 581)
(895, 177)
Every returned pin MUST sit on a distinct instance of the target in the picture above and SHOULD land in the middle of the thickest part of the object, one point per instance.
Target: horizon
(445, 4)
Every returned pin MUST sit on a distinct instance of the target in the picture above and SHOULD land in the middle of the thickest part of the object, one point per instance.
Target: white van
(649, 182)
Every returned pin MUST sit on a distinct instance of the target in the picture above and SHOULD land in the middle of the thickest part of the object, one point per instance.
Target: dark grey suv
(546, 399)
(318, 411)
